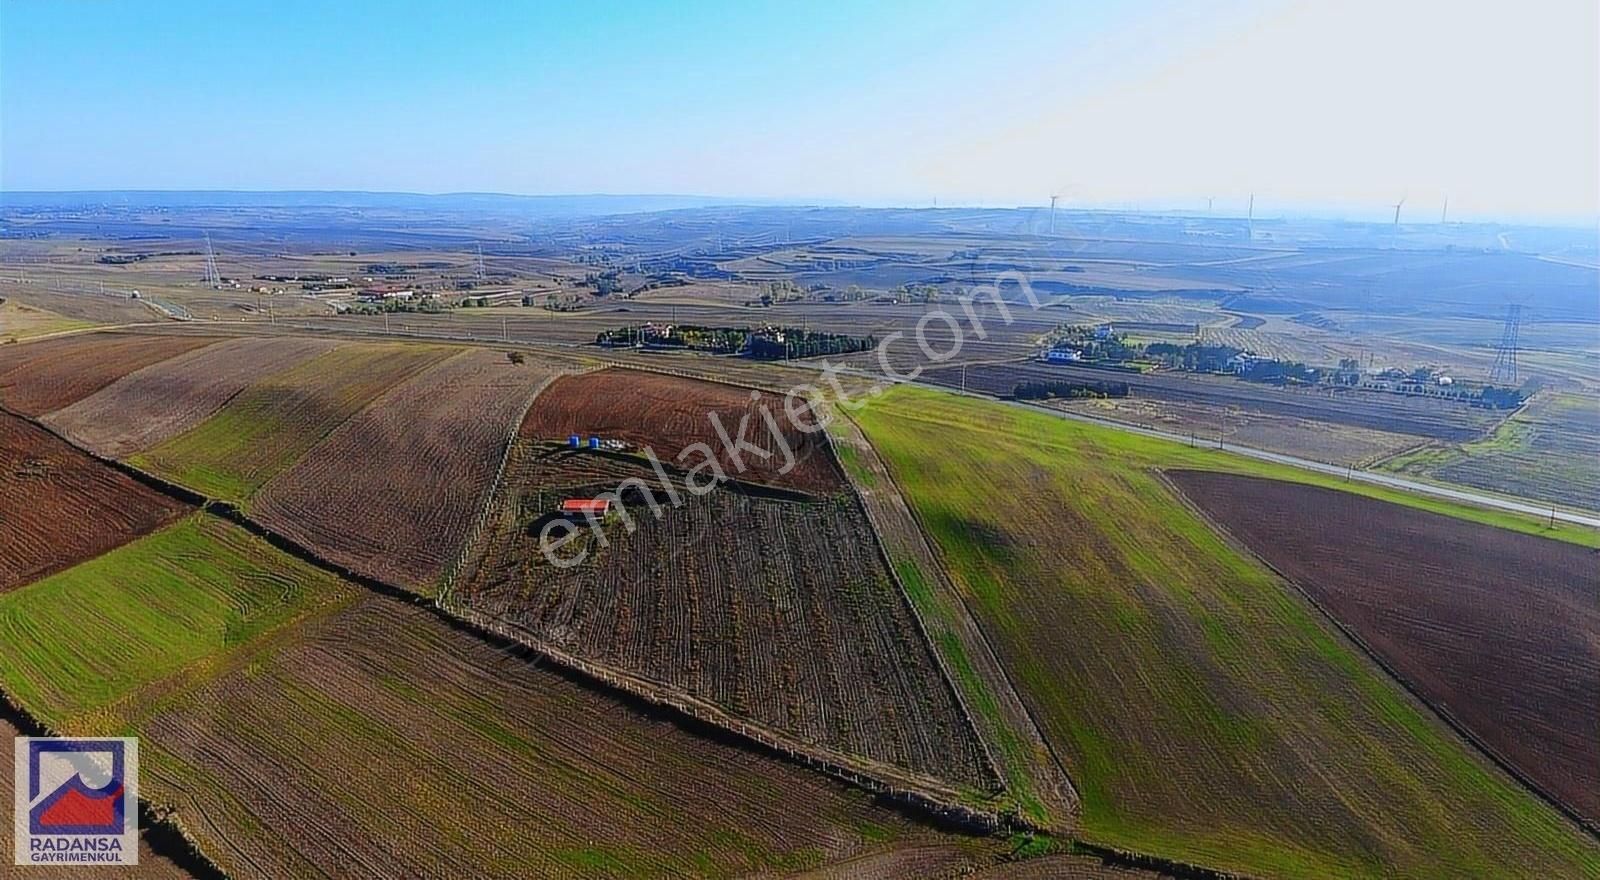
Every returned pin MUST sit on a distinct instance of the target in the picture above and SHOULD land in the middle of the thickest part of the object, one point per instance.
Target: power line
(1504, 371)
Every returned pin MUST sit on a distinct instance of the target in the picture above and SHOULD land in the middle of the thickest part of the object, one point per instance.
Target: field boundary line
(928, 796)
(922, 628)
(1440, 712)
(925, 794)
(1075, 801)
(447, 580)
(160, 830)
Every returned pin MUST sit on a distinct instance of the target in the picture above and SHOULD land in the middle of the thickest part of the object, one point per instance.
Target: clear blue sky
(1157, 102)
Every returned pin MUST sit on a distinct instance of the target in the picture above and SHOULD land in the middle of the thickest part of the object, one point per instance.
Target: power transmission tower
(1504, 371)
(213, 277)
(481, 272)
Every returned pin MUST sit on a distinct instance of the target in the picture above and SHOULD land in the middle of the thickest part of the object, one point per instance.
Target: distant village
(1101, 346)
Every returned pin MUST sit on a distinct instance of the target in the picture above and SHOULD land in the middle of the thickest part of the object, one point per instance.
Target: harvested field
(38, 377)
(155, 404)
(1547, 451)
(671, 415)
(394, 491)
(1205, 712)
(382, 742)
(92, 308)
(150, 867)
(796, 626)
(59, 506)
(81, 642)
(1315, 440)
(22, 321)
(270, 424)
(1500, 630)
(1376, 411)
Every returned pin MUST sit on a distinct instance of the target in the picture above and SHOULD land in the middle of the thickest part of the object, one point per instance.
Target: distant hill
(544, 205)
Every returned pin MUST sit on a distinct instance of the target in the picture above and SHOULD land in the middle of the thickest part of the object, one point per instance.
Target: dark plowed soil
(1500, 629)
(671, 415)
(59, 506)
(40, 377)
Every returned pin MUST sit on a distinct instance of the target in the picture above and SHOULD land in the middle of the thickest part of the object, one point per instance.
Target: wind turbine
(1250, 217)
(1397, 206)
(1444, 213)
(1209, 200)
(1053, 214)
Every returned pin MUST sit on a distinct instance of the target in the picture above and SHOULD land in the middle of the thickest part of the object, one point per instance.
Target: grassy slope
(19, 321)
(1206, 713)
(276, 420)
(1137, 450)
(372, 719)
(209, 644)
(78, 641)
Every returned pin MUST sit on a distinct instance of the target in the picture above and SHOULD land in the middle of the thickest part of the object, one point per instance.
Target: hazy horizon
(1317, 110)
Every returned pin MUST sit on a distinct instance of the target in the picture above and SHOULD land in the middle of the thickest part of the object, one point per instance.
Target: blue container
(574, 441)
(594, 442)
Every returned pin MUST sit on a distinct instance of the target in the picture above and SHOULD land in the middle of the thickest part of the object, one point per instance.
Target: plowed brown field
(778, 611)
(1500, 629)
(393, 492)
(150, 865)
(670, 414)
(59, 506)
(161, 401)
(38, 377)
(382, 742)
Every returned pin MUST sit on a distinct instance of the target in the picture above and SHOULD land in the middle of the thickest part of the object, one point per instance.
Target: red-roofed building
(596, 507)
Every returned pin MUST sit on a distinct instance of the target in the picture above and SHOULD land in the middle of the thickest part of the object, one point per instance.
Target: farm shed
(586, 507)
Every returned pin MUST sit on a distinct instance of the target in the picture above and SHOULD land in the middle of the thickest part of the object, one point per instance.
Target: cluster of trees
(1094, 344)
(782, 290)
(1280, 372)
(481, 302)
(605, 283)
(1068, 390)
(1492, 397)
(917, 293)
(780, 343)
(426, 305)
(717, 340)
(766, 343)
(1196, 357)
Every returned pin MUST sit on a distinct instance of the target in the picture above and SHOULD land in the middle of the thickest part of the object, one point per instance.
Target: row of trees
(1068, 390)
(766, 343)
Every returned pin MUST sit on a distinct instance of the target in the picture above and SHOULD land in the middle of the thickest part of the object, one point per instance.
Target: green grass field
(1205, 711)
(276, 420)
(79, 641)
(381, 736)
